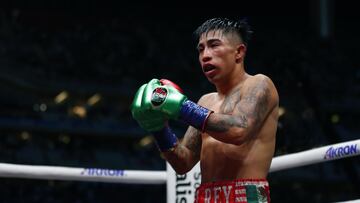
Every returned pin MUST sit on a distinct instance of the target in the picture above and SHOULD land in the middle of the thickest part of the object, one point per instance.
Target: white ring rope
(317, 155)
(82, 174)
(322, 154)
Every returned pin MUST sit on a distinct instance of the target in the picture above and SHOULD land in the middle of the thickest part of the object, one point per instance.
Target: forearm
(186, 153)
(232, 129)
(180, 158)
(228, 128)
(182, 155)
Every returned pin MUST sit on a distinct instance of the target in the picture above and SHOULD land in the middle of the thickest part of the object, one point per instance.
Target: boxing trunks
(239, 191)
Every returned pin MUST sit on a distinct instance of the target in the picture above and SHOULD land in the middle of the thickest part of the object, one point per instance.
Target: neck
(235, 78)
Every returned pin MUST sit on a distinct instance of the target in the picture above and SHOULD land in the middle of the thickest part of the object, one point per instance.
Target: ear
(240, 52)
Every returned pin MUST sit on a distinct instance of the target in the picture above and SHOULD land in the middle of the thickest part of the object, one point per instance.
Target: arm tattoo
(187, 152)
(256, 103)
(253, 105)
(193, 141)
(225, 122)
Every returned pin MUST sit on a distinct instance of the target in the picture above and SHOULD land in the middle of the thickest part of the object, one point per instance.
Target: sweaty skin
(239, 138)
(249, 155)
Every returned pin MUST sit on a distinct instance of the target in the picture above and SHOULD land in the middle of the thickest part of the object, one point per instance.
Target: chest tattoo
(228, 106)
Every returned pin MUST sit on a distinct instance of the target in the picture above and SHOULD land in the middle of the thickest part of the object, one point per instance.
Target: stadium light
(61, 97)
(94, 99)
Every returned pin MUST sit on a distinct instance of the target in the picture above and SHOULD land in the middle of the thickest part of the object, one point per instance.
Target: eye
(200, 48)
(213, 45)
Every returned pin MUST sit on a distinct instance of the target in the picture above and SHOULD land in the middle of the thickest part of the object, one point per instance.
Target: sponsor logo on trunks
(337, 152)
(229, 192)
(158, 96)
(101, 172)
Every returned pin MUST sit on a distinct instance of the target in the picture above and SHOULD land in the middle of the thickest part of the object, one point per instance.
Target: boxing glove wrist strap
(194, 114)
(165, 139)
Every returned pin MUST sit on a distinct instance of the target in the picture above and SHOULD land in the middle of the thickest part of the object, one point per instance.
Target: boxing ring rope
(312, 156)
(317, 155)
(82, 174)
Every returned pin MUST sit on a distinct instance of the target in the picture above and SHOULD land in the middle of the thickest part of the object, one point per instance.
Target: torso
(252, 159)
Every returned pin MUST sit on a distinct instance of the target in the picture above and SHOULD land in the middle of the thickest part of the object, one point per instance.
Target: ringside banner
(181, 188)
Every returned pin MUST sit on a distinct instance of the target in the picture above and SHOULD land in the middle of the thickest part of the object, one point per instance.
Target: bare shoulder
(261, 82)
(206, 98)
(260, 78)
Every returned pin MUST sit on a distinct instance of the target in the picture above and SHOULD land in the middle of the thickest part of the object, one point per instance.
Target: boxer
(231, 131)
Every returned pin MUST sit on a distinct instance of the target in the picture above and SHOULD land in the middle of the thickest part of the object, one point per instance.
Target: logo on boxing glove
(158, 96)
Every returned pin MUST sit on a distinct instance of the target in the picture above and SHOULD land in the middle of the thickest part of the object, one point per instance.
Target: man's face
(219, 54)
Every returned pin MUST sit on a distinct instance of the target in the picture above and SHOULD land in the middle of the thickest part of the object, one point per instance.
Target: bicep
(255, 104)
(246, 116)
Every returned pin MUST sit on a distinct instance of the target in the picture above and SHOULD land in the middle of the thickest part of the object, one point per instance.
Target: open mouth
(208, 68)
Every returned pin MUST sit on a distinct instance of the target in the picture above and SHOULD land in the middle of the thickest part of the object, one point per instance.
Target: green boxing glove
(166, 99)
(165, 96)
(148, 119)
(159, 100)
(153, 121)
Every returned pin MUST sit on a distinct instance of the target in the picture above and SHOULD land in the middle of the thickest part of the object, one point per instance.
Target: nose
(206, 55)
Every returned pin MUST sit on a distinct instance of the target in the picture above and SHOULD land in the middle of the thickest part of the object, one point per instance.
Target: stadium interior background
(69, 71)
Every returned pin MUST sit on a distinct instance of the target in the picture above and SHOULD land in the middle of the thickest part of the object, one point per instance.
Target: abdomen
(220, 161)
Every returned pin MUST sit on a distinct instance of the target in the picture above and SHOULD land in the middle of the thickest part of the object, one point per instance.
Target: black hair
(240, 27)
